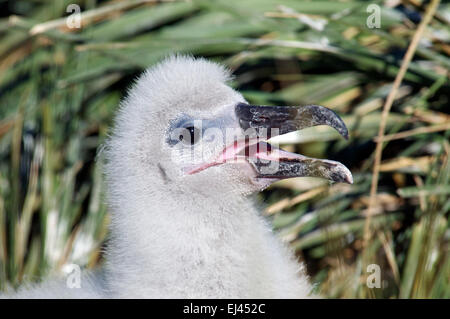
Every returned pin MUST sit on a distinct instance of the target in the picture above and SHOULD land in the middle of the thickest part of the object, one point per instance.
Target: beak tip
(345, 135)
(345, 175)
(349, 180)
(343, 131)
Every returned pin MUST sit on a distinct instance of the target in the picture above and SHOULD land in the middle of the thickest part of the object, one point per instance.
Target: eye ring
(193, 135)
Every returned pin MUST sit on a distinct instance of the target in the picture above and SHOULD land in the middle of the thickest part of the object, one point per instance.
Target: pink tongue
(230, 153)
(263, 150)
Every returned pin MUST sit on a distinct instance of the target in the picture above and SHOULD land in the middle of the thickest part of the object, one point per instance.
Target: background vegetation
(59, 88)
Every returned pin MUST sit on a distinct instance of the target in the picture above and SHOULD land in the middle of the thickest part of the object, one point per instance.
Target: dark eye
(190, 136)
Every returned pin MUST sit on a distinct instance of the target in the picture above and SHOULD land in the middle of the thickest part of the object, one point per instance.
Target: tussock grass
(59, 88)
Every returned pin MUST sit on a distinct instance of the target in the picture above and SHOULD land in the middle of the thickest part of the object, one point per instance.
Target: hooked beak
(270, 162)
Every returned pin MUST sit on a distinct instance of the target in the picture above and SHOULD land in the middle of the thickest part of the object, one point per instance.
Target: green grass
(59, 90)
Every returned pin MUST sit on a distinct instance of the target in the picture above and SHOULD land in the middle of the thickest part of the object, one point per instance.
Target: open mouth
(260, 123)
